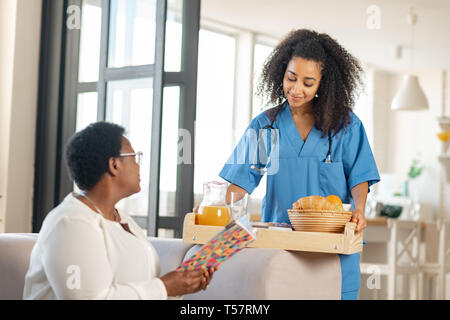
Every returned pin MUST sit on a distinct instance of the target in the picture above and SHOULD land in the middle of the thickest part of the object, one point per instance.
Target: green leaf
(415, 170)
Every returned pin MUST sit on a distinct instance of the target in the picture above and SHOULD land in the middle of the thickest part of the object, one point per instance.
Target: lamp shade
(410, 96)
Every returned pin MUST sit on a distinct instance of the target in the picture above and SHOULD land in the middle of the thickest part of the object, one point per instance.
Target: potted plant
(415, 170)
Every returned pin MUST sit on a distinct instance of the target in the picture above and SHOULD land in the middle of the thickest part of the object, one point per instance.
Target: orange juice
(213, 216)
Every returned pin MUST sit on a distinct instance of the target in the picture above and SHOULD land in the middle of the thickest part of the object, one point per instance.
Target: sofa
(251, 274)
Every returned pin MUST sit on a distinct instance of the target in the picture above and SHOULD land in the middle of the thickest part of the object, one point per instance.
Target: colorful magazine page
(220, 248)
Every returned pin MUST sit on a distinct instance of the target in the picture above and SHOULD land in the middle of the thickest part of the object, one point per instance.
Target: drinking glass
(238, 205)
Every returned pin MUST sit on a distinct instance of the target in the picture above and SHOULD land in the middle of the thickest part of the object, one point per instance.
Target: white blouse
(81, 255)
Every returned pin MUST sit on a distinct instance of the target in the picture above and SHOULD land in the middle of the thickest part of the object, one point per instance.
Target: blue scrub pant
(350, 295)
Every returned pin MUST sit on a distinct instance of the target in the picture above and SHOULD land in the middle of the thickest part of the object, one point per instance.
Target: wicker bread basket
(319, 220)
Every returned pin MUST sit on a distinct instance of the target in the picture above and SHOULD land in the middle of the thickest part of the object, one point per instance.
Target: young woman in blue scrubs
(321, 145)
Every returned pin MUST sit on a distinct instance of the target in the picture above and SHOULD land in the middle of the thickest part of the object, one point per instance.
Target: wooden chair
(402, 258)
(436, 270)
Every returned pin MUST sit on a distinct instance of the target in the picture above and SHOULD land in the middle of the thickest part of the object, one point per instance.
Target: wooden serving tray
(345, 243)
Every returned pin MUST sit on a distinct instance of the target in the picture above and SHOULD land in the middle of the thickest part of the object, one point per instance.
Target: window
(90, 40)
(132, 33)
(129, 103)
(86, 109)
(113, 70)
(169, 152)
(216, 116)
(174, 30)
(261, 53)
(213, 128)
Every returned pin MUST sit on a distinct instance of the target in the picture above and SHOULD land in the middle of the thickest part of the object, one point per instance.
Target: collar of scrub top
(273, 117)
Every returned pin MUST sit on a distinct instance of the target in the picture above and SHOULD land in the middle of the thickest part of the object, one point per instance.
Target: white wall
(401, 136)
(20, 26)
(7, 30)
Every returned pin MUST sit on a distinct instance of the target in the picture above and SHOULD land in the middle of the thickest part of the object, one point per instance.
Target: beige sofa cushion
(15, 250)
(274, 274)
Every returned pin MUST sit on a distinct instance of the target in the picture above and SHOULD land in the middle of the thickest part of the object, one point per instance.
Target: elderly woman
(86, 248)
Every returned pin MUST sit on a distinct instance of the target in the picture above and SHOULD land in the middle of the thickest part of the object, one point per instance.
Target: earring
(316, 95)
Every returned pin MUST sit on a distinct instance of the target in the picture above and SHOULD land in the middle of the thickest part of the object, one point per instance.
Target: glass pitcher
(213, 209)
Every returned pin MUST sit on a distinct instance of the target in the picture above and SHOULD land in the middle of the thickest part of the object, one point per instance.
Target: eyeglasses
(138, 156)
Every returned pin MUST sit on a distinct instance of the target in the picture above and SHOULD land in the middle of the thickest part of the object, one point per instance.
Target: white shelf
(444, 156)
(444, 120)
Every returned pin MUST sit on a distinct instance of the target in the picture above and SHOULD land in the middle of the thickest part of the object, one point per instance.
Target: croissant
(313, 203)
(297, 205)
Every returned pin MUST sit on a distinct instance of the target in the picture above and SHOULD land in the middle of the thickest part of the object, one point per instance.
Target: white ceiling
(346, 21)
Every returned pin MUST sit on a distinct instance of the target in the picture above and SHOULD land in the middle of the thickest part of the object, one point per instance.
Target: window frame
(57, 101)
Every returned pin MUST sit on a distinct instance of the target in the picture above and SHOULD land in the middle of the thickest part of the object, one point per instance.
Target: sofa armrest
(15, 251)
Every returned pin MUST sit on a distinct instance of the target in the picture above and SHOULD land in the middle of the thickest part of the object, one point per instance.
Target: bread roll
(314, 203)
(330, 206)
(318, 202)
(297, 205)
(311, 203)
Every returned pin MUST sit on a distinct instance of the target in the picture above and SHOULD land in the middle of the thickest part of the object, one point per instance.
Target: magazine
(220, 248)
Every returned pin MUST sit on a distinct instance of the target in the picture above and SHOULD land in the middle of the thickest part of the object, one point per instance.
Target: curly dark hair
(340, 83)
(88, 152)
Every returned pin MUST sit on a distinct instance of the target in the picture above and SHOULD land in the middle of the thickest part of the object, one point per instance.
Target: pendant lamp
(410, 97)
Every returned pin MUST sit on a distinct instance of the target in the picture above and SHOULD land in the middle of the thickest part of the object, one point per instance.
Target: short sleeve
(358, 160)
(238, 168)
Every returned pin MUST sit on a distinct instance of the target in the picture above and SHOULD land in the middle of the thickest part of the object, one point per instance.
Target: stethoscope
(330, 142)
(270, 126)
(257, 145)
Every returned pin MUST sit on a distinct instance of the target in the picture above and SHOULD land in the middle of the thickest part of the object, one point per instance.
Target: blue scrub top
(296, 169)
